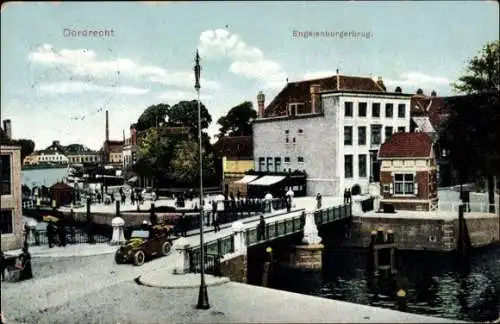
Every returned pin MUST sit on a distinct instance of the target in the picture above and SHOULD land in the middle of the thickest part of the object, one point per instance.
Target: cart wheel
(139, 258)
(165, 248)
(118, 258)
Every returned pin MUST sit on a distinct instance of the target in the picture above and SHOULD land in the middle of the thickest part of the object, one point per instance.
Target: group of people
(22, 263)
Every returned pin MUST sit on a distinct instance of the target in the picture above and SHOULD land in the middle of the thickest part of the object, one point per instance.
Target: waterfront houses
(408, 174)
(130, 148)
(79, 154)
(331, 128)
(237, 159)
(54, 154)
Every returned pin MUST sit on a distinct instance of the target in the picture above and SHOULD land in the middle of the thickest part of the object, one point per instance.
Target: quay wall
(235, 268)
(423, 233)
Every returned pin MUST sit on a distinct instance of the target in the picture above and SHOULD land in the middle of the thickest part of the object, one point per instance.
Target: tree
(238, 121)
(186, 162)
(483, 72)
(27, 145)
(471, 133)
(185, 113)
(152, 116)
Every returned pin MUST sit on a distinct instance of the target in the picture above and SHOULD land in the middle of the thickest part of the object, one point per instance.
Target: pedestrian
(288, 203)
(238, 195)
(346, 199)
(184, 224)
(132, 197)
(154, 218)
(123, 197)
(215, 217)
(26, 232)
(261, 229)
(25, 260)
(61, 231)
(2, 264)
(318, 201)
(50, 233)
(349, 196)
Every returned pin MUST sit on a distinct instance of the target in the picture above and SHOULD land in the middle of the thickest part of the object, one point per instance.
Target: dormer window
(295, 109)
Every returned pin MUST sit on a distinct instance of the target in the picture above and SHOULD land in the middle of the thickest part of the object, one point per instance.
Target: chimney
(315, 88)
(107, 126)
(261, 98)
(338, 80)
(133, 135)
(7, 127)
(381, 83)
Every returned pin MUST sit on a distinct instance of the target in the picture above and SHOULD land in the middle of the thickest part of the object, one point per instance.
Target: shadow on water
(437, 284)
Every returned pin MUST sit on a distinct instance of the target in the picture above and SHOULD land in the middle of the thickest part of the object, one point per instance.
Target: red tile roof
(299, 92)
(433, 107)
(407, 145)
(240, 147)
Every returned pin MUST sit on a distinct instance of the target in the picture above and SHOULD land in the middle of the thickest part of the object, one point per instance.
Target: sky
(57, 80)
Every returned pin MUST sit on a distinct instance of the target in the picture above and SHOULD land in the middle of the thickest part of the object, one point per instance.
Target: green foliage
(483, 71)
(238, 121)
(27, 145)
(185, 113)
(186, 162)
(152, 116)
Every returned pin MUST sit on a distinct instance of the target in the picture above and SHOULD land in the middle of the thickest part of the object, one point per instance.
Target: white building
(332, 128)
(53, 154)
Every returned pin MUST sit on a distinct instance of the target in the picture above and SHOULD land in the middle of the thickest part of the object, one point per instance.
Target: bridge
(231, 241)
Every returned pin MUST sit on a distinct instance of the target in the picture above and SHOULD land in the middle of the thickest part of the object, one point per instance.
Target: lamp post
(202, 293)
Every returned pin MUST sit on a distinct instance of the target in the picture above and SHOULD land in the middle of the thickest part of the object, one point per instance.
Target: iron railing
(73, 236)
(213, 253)
(368, 204)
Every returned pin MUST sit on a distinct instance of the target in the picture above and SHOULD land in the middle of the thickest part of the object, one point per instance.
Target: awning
(267, 180)
(246, 179)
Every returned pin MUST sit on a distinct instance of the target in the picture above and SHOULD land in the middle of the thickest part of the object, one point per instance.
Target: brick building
(408, 172)
(331, 128)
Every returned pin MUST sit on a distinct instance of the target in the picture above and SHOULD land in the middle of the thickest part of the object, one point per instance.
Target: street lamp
(203, 293)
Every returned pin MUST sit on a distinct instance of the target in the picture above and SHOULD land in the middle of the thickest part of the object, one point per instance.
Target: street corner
(166, 280)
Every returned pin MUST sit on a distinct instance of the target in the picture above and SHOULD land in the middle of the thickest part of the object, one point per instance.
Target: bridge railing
(73, 236)
(213, 252)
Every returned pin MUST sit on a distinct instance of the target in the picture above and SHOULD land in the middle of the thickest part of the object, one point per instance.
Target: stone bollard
(31, 225)
(181, 248)
(118, 236)
(240, 246)
(309, 255)
(357, 210)
(268, 199)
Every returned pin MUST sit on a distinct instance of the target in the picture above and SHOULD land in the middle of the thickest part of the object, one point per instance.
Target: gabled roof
(434, 108)
(407, 145)
(234, 147)
(300, 91)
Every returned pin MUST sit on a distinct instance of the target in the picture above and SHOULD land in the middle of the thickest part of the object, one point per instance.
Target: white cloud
(318, 75)
(246, 60)
(83, 62)
(79, 87)
(417, 79)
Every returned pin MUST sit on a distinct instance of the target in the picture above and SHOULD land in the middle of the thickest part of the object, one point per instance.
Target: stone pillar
(309, 255)
(181, 246)
(240, 246)
(268, 198)
(356, 206)
(118, 236)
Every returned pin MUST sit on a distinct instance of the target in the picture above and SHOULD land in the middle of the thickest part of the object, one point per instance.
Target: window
(5, 167)
(362, 109)
(403, 184)
(300, 159)
(362, 165)
(376, 110)
(347, 135)
(277, 164)
(401, 110)
(401, 129)
(376, 134)
(287, 159)
(388, 132)
(6, 221)
(348, 109)
(294, 141)
(301, 131)
(389, 110)
(287, 140)
(287, 132)
(269, 164)
(348, 166)
(262, 163)
(362, 135)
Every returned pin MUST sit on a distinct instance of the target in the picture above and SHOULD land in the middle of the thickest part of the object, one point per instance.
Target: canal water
(42, 177)
(436, 283)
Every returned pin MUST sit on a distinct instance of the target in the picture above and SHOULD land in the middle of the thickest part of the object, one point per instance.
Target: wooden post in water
(380, 243)
(267, 267)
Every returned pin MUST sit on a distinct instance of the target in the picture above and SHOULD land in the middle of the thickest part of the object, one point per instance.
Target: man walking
(261, 229)
(50, 233)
